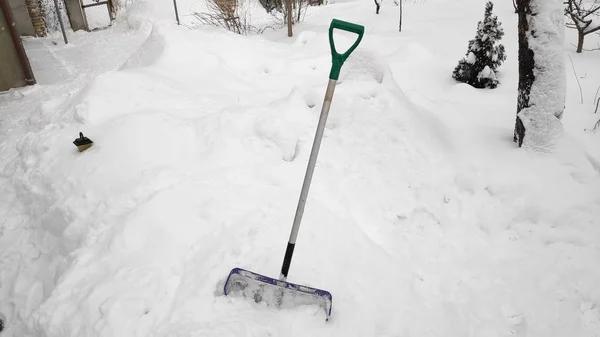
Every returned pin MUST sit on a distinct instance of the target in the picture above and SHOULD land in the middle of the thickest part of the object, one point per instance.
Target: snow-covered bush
(484, 54)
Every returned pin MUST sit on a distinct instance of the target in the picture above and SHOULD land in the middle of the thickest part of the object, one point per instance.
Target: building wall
(38, 17)
(76, 15)
(11, 72)
(36, 13)
(22, 19)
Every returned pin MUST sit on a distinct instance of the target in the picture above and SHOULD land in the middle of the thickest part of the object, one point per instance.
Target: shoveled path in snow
(61, 72)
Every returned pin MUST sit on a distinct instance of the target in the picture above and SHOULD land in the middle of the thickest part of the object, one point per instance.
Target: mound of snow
(364, 66)
(413, 52)
(417, 221)
(179, 165)
(305, 36)
(150, 51)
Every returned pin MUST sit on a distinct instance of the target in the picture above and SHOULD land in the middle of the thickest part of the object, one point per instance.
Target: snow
(423, 218)
(594, 25)
(471, 58)
(486, 73)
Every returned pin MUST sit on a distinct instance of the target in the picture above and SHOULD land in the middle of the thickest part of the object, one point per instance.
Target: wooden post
(288, 4)
(21, 54)
(176, 12)
(400, 23)
(60, 21)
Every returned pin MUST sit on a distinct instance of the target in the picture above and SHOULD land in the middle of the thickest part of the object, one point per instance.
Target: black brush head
(82, 140)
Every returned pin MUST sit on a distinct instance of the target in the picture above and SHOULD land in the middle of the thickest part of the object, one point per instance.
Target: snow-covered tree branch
(377, 6)
(584, 16)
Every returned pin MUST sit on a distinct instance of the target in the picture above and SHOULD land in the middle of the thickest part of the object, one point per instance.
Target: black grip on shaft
(287, 259)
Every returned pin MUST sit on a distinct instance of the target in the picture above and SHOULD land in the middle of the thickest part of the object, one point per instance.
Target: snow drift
(184, 182)
(415, 225)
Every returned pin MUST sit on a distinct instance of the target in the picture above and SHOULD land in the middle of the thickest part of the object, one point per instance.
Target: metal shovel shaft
(287, 260)
(337, 61)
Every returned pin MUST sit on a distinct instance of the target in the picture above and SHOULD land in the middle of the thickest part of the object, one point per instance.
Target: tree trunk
(526, 65)
(300, 4)
(377, 5)
(288, 4)
(581, 37)
(400, 23)
(542, 76)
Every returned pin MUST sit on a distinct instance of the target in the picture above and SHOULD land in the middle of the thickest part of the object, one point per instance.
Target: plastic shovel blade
(273, 292)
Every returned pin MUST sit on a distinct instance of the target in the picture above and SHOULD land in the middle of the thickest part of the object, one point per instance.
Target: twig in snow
(594, 49)
(577, 78)
(597, 99)
(596, 126)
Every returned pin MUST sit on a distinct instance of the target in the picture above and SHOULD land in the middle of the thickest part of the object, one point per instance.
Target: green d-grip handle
(338, 59)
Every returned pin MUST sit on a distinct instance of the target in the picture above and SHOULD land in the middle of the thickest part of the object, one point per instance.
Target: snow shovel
(278, 292)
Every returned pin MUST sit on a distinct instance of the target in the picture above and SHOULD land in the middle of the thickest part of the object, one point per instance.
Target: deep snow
(424, 218)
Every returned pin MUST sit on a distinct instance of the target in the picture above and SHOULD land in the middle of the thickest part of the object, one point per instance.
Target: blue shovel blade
(273, 292)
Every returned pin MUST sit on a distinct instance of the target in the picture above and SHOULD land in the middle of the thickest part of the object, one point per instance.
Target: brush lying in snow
(280, 293)
(82, 143)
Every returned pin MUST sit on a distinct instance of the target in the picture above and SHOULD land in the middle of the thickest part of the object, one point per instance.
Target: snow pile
(184, 183)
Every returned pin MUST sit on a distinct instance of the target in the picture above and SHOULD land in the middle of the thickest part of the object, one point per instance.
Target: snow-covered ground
(423, 219)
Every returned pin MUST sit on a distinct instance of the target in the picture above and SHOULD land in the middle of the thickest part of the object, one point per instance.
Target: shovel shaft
(337, 61)
(176, 11)
(287, 260)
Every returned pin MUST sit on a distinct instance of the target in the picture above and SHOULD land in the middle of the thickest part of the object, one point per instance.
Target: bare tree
(584, 16)
(542, 82)
(279, 9)
(377, 6)
(228, 14)
(300, 8)
(297, 8)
